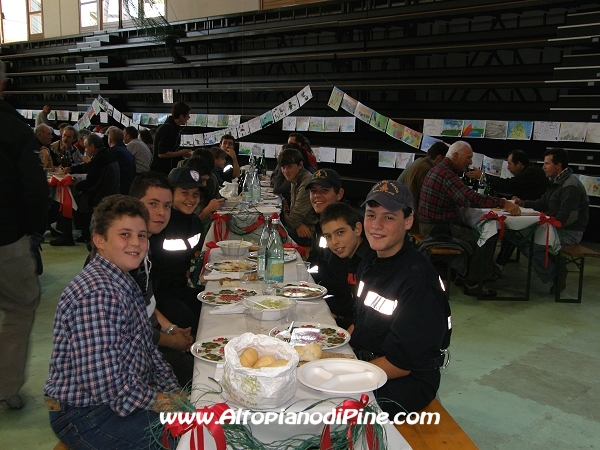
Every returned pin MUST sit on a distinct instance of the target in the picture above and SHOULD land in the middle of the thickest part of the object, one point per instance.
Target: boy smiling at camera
(343, 232)
(104, 364)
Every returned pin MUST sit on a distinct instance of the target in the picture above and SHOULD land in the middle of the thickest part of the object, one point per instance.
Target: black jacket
(529, 184)
(94, 170)
(166, 140)
(126, 162)
(25, 194)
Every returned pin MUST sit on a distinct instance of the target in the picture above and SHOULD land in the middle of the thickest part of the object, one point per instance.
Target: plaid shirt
(443, 192)
(102, 350)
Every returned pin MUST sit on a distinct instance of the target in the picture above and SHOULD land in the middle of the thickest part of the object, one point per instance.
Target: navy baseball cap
(185, 178)
(325, 177)
(392, 195)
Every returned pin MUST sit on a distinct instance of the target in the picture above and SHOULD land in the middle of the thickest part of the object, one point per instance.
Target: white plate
(287, 257)
(232, 266)
(225, 296)
(327, 336)
(212, 349)
(304, 291)
(341, 376)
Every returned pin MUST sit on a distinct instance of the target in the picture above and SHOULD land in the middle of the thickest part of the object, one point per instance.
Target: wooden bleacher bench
(447, 434)
(575, 254)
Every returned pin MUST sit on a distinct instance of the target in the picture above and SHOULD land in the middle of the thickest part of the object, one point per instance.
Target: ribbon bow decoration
(209, 246)
(211, 416)
(493, 216)
(259, 221)
(220, 222)
(548, 220)
(282, 231)
(354, 406)
(64, 195)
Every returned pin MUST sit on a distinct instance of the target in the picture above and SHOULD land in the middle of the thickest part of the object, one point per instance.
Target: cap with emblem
(185, 178)
(392, 195)
(325, 177)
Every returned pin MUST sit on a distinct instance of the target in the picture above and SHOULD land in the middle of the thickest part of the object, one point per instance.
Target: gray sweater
(566, 200)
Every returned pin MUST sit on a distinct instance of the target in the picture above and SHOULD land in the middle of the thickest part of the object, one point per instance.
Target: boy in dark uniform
(402, 318)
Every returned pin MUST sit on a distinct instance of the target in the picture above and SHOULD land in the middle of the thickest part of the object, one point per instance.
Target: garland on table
(228, 435)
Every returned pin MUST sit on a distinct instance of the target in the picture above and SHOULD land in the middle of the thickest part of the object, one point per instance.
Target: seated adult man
(156, 193)
(566, 201)
(140, 151)
(173, 248)
(325, 188)
(528, 183)
(123, 156)
(79, 157)
(343, 232)
(167, 142)
(231, 168)
(44, 134)
(63, 149)
(100, 158)
(107, 379)
(402, 317)
(415, 174)
(442, 193)
(299, 218)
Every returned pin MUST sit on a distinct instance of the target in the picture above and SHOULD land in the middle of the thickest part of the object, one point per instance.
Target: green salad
(272, 303)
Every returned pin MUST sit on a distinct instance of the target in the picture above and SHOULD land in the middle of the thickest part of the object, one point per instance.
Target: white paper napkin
(234, 308)
(216, 275)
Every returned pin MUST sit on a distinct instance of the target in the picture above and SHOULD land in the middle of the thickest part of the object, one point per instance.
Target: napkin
(234, 308)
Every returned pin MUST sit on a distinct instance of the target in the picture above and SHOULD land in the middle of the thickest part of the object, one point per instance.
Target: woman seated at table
(299, 218)
(107, 379)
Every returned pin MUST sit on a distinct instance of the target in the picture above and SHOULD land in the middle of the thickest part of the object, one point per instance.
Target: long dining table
(211, 325)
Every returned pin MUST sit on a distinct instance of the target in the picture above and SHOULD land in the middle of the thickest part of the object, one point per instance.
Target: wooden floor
(447, 434)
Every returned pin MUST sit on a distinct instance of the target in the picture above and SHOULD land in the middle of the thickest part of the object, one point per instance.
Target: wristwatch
(170, 329)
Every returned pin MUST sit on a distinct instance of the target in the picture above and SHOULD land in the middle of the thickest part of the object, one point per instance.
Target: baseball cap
(325, 177)
(185, 178)
(392, 195)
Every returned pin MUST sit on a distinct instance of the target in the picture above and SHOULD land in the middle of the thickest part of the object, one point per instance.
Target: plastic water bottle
(274, 268)
(261, 254)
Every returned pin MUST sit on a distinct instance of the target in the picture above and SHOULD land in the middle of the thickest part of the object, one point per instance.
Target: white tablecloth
(212, 325)
(471, 216)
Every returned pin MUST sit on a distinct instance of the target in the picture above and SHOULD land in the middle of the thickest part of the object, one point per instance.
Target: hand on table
(303, 231)
(518, 201)
(512, 208)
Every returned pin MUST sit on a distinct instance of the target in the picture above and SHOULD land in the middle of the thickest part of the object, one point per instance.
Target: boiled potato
(263, 362)
(248, 357)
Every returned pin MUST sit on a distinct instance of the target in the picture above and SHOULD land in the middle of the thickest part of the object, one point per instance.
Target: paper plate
(341, 376)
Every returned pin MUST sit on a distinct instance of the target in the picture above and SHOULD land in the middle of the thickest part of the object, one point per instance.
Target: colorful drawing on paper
(572, 131)
(363, 112)
(316, 124)
(347, 124)
(222, 120)
(593, 132)
(335, 99)
(279, 112)
(213, 121)
(291, 105)
(473, 128)
(519, 130)
(288, 124)
(546, 131)
(266, 119)
(395, 130)
(492, 166)
(433, 127)
(349, 104)
(452, 127)
(411, 137)
(202, 120)
(304, 95)
(332, 124)
(496, 129)
(428, 141)
(387, 159)
(378, 121)
(403, 159)
(591, 185)
(302, 123)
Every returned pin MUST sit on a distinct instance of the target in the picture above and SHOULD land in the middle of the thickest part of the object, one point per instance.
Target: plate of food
(211, 349)
(303, 333)
(225, 296)
(287, 256)
(302, 291)
(232, 266)
(341, 376)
